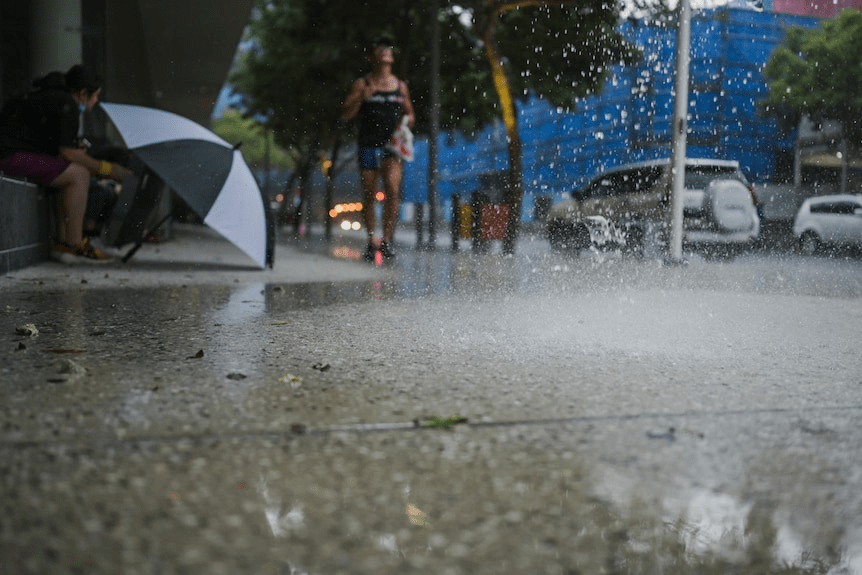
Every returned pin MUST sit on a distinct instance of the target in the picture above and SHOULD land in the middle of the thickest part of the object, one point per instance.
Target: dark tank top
(379, 117)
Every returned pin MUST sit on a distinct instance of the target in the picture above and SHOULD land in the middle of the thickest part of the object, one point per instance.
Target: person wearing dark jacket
(39, 141)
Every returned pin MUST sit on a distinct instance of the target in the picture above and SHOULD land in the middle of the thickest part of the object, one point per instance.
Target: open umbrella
(204, 170)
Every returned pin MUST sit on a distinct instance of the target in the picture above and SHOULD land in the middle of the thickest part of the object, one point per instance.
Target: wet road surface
(446, 413)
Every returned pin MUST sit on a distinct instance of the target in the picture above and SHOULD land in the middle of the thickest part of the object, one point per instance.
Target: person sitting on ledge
(39, 141)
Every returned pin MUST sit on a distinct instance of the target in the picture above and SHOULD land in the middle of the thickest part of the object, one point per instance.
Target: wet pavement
(443, 413)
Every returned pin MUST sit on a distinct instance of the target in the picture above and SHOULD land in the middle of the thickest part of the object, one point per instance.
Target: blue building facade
(630, 120)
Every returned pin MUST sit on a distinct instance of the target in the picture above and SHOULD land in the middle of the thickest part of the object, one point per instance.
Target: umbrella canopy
(204, 170)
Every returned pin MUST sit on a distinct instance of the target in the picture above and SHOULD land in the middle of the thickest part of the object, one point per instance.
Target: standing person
(39, 141)
(380, 100)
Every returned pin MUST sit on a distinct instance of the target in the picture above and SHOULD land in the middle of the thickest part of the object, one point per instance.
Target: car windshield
(699, 177)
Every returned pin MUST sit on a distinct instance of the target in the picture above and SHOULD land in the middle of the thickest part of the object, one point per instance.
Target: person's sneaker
(386, 250)
(370, 251)
(83, 253)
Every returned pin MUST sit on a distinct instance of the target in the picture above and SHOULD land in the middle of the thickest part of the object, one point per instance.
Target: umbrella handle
(140, 242)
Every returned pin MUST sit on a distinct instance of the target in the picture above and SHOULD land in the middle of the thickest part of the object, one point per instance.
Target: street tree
(292, 77)
(817, 73)
(306, 53)
(570, 45)
(258, 146)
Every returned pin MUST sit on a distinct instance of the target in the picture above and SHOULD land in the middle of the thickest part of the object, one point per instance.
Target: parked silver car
(718, 206)
(824, 221)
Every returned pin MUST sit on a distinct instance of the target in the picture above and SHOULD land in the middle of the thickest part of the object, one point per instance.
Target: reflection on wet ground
(534, 268)
(615, 416)
(472, 500)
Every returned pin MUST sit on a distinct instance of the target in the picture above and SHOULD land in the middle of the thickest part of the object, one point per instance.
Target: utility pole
(680, 127)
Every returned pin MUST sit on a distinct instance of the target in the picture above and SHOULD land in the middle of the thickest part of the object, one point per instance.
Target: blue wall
(631, 119)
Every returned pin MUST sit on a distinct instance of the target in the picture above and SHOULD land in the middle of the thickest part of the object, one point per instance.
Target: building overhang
(172, 54)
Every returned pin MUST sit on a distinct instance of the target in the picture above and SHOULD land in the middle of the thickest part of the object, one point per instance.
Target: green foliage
(558, 52)
(235, 129)
(562, 52)
(467, 96)
(295, 75)
(309, 51)
(818, 73)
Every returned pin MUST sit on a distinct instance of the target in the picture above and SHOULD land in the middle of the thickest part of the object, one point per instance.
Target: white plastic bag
(401, 142)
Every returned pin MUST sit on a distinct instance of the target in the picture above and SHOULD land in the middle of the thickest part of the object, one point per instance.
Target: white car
(718, 206)
(829, 221)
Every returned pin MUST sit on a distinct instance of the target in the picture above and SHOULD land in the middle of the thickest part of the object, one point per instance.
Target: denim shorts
(372, 158)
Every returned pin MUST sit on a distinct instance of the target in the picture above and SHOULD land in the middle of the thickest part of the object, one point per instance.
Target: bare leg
(392, 172)
(369, 191)
(73, 183)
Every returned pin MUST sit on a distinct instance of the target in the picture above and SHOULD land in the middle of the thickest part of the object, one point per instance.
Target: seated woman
(39, 141)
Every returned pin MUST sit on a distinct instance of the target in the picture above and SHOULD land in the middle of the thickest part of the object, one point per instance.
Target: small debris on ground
(416, 516)
(670, 435)
(69, 371)
(444, 422)
(321, 366)
(198, 355)
(62, 350)
(236, 376)
(673, 433)
(70, 367)
(293, 380)
(27, 329)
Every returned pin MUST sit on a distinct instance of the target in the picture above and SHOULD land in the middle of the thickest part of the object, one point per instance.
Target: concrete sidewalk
(451, 413)
(196, 254)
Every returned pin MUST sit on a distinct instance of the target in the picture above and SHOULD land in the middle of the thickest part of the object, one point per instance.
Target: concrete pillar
(55, 35)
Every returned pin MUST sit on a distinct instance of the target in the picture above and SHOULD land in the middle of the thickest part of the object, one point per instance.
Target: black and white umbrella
(204, 170)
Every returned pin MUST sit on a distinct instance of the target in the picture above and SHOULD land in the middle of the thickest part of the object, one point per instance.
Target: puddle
(624, 418)
(513, 500)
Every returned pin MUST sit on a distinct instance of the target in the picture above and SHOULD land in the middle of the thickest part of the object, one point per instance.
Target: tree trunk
(304, 180)
(330, 185)
(515, 188)
(514, 194)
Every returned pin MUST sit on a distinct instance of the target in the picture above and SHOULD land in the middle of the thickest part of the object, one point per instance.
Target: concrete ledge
(24, 224)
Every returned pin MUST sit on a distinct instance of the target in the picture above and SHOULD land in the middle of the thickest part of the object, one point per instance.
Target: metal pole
(680, 127)
(844, 164)
(456, 221)
(797, 164)
(418, 219)
(434, 117)
(266, 166)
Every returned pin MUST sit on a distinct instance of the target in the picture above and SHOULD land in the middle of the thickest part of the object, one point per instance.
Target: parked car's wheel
(635, 239)
(809, 243)
(556, 235)
(581, 239)
(567, 237)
